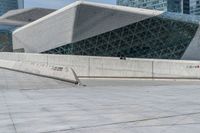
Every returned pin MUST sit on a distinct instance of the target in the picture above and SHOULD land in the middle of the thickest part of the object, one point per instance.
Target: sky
(57, 3)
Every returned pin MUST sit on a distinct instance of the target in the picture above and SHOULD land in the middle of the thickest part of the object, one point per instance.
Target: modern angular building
(85, 28)
(15, 19)
(148, 4)
(7, 5)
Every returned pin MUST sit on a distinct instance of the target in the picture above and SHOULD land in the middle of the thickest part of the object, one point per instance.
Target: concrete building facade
(7, 5)
(15, 19)
(86, 28)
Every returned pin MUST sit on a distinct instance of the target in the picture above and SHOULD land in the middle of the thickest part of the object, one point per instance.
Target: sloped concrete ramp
(51, 71)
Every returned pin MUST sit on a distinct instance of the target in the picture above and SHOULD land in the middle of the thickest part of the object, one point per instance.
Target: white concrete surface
(93, 18)
(53, 30)
(77, 21)
(192, 52)
(31, 104)
(52, 71)
(176, 69)
(114, 67)
(108, 67)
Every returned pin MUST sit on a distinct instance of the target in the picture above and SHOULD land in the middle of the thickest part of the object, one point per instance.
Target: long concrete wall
(107, 67)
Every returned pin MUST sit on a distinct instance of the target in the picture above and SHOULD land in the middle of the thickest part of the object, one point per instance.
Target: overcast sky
(57, 3)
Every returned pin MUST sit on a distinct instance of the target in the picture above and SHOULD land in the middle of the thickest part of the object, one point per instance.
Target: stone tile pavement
(32, 104)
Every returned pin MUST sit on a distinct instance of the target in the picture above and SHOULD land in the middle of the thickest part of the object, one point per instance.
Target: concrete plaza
(32, 104)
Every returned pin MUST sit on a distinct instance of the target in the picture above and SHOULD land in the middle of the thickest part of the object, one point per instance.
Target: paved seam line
(125, 122)
(9, 113)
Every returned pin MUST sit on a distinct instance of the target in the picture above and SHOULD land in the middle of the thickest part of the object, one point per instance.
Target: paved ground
(31, 104)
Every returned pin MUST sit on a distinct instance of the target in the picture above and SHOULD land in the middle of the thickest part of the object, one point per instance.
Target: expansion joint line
(125, 122)
(9, 113)
(5, 101)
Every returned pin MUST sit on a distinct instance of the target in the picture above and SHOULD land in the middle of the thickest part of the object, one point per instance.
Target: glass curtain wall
(151, 38)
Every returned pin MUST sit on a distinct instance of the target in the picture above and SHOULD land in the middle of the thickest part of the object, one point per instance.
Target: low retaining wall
(108, 67)
(50, 71)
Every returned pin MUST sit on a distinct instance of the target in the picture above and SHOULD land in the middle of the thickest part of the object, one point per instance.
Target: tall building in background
(179, 6)
(149, 4)
(6, 5)
(191, 7)
(175, 6)
(184, 6)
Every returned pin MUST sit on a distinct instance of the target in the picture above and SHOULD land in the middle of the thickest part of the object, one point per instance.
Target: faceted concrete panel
(28, 15)
(93, 19)
(54, 29)
(192, 52)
